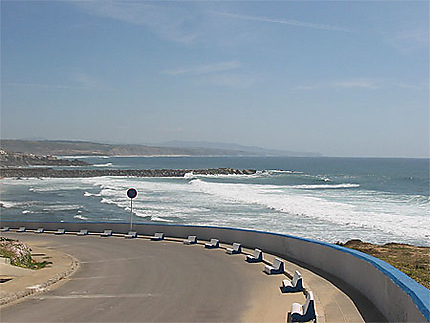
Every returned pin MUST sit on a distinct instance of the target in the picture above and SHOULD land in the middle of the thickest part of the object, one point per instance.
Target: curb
(41, 287)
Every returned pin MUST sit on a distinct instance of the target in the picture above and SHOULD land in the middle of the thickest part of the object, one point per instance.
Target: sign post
(131, 193)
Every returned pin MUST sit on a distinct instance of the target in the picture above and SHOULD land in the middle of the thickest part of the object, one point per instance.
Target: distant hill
(244, 149)
(11, 159)
(85, 148)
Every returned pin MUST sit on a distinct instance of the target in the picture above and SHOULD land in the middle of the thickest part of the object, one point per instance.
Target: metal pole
(131, 215)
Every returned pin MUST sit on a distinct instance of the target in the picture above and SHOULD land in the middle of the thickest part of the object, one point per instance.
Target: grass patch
(19, 254)
(411, 260)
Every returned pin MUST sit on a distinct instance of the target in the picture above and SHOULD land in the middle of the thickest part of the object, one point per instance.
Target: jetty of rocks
(75, 173)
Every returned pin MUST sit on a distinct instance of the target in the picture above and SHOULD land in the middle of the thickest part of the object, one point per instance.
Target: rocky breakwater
(75, 173)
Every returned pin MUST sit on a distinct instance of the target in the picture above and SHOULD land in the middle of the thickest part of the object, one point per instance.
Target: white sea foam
(26, 212)
(53, 184)
(103, 165)
(345, 212)
(60, 207)
(396, 218)
(107, 201)
(281, 172)
(80, 217)
(243, 176)
(8, 204)
(87, 194)
(160, 219)
(158, 199)
(200, 202)
(326, 186)
(43, 189)
(189, 175)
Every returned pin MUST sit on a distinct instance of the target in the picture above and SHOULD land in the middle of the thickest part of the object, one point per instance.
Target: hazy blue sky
(341, 78)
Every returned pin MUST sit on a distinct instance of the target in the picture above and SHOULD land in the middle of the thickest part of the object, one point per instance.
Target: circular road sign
(132, 193)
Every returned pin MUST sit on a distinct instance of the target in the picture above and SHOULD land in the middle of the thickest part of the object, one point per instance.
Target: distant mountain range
(258, 151)
(174, 148)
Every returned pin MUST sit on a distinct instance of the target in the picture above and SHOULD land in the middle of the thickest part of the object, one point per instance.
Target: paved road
(139, 280)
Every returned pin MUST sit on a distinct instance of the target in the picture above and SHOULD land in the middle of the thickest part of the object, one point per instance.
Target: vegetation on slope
(83, 148)
(19, 254)
(413, 261)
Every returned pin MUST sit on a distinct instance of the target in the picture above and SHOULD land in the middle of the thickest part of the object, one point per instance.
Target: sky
(341, 78)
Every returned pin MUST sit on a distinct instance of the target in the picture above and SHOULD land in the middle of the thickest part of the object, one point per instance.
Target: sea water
(329, 199)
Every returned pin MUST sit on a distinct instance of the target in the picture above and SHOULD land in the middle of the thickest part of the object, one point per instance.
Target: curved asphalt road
(138, 280)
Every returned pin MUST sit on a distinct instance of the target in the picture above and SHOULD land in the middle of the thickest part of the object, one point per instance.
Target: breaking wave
(357, 209)
(326, 186)
(87, 194)
(8, 204)
(103, 165)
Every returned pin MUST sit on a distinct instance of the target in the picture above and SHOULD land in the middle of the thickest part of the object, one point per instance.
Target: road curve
(138, 280)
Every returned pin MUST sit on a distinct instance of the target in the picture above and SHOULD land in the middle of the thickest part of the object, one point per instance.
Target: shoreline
(76, 173)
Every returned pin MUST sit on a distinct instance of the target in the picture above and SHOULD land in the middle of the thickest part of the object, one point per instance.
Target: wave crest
(88, 194)
(103, 165)
(326, 186)
(8, 204)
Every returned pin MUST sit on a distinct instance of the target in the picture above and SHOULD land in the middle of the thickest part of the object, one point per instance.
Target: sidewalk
(24, 282)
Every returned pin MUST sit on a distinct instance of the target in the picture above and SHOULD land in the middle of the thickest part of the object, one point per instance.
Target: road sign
(132, 193)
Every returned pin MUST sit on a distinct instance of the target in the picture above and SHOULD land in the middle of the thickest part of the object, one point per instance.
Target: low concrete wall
(398, 297)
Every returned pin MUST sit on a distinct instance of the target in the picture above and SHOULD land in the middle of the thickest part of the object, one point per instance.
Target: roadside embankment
(412, 260)
(20, 282)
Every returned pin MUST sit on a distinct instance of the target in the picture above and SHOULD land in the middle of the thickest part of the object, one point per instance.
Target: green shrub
(19, 254)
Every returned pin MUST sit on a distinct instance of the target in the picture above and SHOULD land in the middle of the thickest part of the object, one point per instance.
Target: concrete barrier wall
(398, 297)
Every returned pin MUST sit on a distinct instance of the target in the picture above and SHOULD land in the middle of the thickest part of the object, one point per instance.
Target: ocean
(328, 199)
